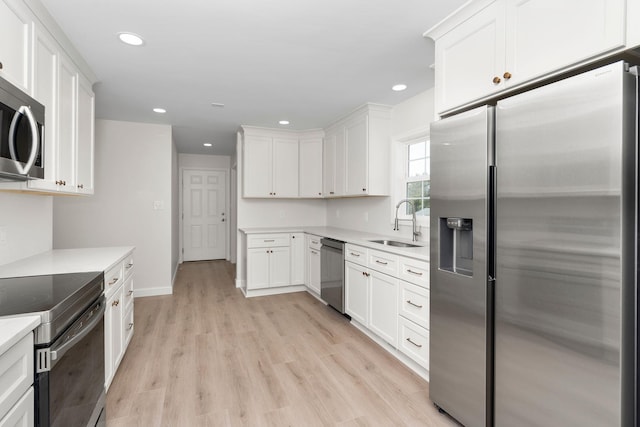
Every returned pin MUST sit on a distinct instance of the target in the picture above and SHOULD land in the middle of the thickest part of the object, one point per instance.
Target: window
(417, 177)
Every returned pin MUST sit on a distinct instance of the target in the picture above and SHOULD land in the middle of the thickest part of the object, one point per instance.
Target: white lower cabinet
(393, 309)
(356, 278)
(269, 260)
(383, 307)
(297, 258)
(118, 315)
(16, 384)
(313, 264)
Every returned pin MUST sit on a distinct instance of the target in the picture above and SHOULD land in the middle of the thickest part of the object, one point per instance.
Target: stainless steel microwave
(21, 135)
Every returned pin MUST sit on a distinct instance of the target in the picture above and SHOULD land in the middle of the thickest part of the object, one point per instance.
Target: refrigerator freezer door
(564, 287)
(461, 150)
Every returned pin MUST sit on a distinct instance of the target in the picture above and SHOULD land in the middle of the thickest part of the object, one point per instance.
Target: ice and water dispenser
(456, 245)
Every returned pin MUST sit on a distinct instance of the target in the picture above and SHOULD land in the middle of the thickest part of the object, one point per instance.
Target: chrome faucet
(415, 232)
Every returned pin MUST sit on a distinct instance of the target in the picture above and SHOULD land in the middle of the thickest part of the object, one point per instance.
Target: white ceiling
(306, 61)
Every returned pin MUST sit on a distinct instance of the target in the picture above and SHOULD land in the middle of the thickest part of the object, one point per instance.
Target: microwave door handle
(58, 351)
(24, 110)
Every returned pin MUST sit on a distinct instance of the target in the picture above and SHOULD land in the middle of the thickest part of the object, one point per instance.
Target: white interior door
(205, 215)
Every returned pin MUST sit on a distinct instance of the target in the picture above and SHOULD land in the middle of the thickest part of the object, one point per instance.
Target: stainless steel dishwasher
(332, 273)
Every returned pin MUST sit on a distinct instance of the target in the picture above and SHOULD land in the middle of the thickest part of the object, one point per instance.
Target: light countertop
(351, 236)
(13, 329)
(59, 261)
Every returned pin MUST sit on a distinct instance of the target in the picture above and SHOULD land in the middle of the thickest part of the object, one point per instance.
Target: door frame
(227, 201)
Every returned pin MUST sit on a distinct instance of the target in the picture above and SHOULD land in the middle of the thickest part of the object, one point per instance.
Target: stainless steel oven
(69, 344)
(21, 134)
(69, 380)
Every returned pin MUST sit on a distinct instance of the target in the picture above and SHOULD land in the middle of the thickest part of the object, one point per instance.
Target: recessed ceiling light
(399, 87)
(284, 122)
(131, 39)
(159, 110)
(207, 144)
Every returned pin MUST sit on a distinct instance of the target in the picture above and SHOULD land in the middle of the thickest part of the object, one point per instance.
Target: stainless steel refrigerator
(534, 231)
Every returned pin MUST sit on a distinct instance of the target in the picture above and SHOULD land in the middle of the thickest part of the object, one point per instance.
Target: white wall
(175, 212)
(25, 225)
(133, 169)
(408, 117)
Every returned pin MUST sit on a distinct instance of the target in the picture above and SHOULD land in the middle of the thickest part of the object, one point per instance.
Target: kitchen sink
(395, 243)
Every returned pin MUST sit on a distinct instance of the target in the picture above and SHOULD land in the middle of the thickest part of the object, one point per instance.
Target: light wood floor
(206, 356)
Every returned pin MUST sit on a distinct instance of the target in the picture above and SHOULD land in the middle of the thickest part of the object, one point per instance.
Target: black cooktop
(57, 298)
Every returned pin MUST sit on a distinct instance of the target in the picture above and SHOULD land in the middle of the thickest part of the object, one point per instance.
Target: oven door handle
(58, 351)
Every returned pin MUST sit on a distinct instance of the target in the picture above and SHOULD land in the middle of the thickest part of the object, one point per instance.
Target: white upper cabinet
(356, 153)
(285, 167)
(15, 43)
(270, 166)
(310, 150)
(37, 57)
(492, 46)
(281, 164)
(86, 137)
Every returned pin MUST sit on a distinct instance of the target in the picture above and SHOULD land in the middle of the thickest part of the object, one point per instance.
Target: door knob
(496, 80)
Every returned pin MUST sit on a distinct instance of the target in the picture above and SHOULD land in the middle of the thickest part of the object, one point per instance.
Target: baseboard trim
(240, 283)
(273, 291)
(152, 292)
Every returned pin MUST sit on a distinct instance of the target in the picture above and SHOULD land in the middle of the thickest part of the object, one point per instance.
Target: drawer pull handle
(417, 273)
(130, 326)
(413, 304)
(354, 254)
(365, 274)
(314, 252)
(315, 242)
(267, 241)
(129, 265)
(131, 293)
(381, 262)
(112, 282)
(417, 345)
(115, 303)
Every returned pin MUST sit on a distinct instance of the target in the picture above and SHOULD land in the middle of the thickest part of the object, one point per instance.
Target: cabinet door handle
(506, 75)
(131, 293)
(128, 266)
(115, 303)
(381, 262)
(417, 345)
(314, 242)
(80, 186)
(268, 241)
(331, 192)
(414, 272)
(130, 326)
(413, 304)
(314, 252)
(0, 65)
(354, 254)
(496, 80)
(115, 279)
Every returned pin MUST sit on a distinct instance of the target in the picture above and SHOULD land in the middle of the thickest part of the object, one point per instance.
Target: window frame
(400, 173)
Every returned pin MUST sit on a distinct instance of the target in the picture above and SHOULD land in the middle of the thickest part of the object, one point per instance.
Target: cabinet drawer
(16, 373)
(113, 279)
(22, 414)
(414, 271)
(356, 254)
(128, 293)
(414, 303)
(127, 324)
(127, 265)
(267, 240)
(413, 341)
(383, 262)
(314, 242)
